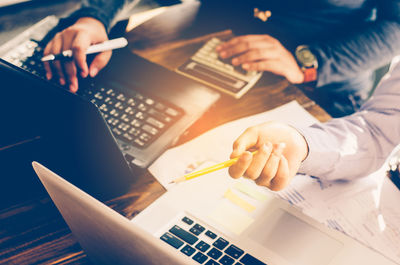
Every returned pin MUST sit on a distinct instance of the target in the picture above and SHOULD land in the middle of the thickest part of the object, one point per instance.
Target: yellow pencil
(207, 170)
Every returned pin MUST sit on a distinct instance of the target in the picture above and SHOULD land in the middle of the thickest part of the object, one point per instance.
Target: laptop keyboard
(204, 246)
(134, 118)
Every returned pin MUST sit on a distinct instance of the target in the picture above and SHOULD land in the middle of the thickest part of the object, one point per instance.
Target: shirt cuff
(311, 163)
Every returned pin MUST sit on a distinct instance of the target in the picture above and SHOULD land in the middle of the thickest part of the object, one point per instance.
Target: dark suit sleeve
(366, 48)
(103, 10)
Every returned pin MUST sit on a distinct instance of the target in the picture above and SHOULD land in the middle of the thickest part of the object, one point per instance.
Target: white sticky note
(230, 217)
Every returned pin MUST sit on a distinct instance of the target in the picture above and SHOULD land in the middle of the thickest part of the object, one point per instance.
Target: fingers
(273, 66)
(258, 161)
(271, 167)
(99, 62)
(282, 177)
(255, 55)
(268, 167)
(56, 65)
(78, 38)
(47, 51)
(242, 44)
(246, 140)
(237, 170)
(79, 46)
(69, 66)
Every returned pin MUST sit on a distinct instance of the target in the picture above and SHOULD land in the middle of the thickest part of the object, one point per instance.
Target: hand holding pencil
(280, 149)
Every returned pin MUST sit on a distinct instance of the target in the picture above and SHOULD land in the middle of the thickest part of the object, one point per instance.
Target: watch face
(306, 57)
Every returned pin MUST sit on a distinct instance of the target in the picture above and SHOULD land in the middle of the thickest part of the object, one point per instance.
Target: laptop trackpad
(294, 240)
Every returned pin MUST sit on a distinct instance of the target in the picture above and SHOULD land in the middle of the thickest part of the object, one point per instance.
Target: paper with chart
(367, 210)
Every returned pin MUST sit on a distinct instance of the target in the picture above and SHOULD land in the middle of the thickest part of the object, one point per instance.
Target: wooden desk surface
(33, 232)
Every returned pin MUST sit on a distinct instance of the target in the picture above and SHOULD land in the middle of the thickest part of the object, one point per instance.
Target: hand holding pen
(78, 38)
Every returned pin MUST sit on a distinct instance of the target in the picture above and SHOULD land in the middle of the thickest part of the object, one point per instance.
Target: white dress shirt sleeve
(356, 145)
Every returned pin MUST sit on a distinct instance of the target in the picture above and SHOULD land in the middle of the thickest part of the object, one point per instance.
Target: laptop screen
(70, 135)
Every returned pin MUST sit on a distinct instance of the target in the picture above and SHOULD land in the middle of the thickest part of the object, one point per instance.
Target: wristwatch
(308, 63)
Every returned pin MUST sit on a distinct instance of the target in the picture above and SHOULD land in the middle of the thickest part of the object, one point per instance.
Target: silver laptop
(178, 229)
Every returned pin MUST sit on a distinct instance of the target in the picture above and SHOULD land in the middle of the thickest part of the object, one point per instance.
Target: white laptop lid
(106, 236)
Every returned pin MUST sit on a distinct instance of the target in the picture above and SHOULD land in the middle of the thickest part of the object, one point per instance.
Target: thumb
(99, 62)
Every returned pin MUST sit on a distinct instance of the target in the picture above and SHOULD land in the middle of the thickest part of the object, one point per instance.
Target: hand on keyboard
(78, 37)
(262, 53)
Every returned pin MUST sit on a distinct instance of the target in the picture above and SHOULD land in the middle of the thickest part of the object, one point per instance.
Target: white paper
(366, 209)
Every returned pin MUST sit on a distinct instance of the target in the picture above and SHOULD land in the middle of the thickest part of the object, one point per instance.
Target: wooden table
(33, 232)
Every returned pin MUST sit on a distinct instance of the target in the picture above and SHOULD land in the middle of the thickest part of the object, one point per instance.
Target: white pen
(101, 47)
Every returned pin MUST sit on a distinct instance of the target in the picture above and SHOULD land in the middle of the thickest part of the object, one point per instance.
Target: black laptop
(71, 134)
(146, 106)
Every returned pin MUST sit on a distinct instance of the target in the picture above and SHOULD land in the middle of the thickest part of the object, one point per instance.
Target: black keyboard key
(186, 219)
(220, 243)
(139, 143)
(131, 102)
(116, 132)
(172, 240)
(139, 96)
(202, 246)
(151, 130)
(188, 250)
(184, 235)
(142, 107)
(200, 258)
(212, 262)
(250, 260)
(211, 234)
(145, 137)
(136, 123)
(197, 229)
(127, 137)
(226, 260)
(234, 251)
(214, 253)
